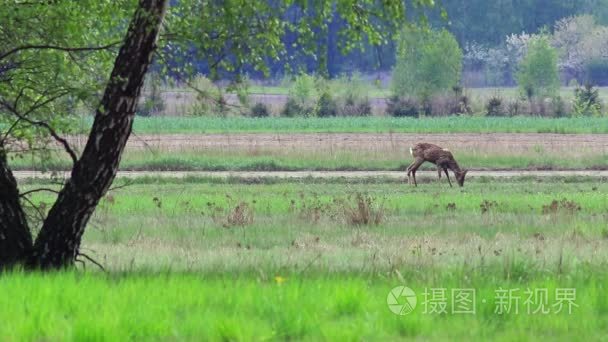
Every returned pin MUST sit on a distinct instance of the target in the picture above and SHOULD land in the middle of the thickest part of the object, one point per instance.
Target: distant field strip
(375, 124)
(342, 152)
(319, 174)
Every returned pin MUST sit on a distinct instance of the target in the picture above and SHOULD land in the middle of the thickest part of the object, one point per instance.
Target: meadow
(451, 124)
(315, 259)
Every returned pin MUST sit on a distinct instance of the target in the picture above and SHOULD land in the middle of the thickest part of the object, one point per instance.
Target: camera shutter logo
(401, 300)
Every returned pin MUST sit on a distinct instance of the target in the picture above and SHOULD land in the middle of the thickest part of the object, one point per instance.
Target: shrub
(209, 98)
(427, 63)
(402, 107)
(443, 105)
(494, 107)
(559, 107)
(364, 211)
(516, 107)
(305, 90)
(538, 74)
(259, 110)
(586, 101)
(326, 106)
(352, 95)
(292, 108)
(360, 108)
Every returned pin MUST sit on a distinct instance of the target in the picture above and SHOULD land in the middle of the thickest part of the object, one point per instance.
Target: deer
(442, 157)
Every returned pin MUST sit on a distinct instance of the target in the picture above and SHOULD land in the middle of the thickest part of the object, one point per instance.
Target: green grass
(188, 225)
(382, 159)
(300, 269)
(77, 307)
(193, 125)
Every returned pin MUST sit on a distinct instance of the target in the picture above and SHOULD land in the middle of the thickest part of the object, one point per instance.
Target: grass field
(460, 124)
(325, 307)
(261, 159)
(163, 306)
(307, 260)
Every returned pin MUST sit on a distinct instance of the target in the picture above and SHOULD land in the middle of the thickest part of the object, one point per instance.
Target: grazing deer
(441, 157)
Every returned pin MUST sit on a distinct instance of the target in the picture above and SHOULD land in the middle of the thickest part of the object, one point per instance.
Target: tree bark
(15, 236)
(59, 240)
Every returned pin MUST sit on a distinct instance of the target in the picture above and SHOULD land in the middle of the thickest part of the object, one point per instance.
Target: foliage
(39, 78)
(402, 107)
(537, 73)
(209, 98)
(586, 101)
(326, 106)
(494, 107)
(428, 62)
(292, 108)
(259, 110)
(305, 90)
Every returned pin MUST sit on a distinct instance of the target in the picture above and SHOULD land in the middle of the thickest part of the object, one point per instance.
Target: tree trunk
(58, 243)
(15, 236)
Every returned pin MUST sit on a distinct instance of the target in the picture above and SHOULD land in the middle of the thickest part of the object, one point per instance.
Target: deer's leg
(439, 171)
(409, 170)
(413, 168)
(448, 176)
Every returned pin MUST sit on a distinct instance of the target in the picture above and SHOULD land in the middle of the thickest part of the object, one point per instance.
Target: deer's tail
(411, 151)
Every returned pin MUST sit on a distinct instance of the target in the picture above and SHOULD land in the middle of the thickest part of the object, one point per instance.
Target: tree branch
(53, 133)
(37, 190)
(55, 47)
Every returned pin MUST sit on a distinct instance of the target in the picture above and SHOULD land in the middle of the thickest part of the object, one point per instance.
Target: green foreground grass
(455, 124)
(95, 307)
(210, 259)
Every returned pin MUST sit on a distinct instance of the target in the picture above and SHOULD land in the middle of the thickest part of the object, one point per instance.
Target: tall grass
(163, 306)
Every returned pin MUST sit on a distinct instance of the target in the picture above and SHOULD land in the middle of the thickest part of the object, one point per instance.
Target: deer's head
(460, 177)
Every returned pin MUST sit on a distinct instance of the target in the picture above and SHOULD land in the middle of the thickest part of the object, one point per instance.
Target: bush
(538, 74)
(292, 108)
(327, 106)
(352, 95)
(305, 90)
(359, 108)
(516, 107)
(259, 110)
(427, 63)
(586, 101)
(402, 107)
(559, 107)
(363, 210)
(494, 107)
(443, 105)
(209, 98)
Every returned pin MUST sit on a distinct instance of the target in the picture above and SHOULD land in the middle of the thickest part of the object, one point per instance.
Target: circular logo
(401, 300)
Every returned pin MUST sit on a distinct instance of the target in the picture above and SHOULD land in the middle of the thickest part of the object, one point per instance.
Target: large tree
(52, 54)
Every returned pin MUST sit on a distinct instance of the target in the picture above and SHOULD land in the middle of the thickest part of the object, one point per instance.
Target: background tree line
(478, 23)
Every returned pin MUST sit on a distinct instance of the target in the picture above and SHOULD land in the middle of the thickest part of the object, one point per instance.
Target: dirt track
(319, 174)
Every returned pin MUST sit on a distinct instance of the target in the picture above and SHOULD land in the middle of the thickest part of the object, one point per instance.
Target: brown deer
(437, 155)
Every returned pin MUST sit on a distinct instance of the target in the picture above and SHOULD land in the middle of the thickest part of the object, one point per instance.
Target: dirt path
(318, 174)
